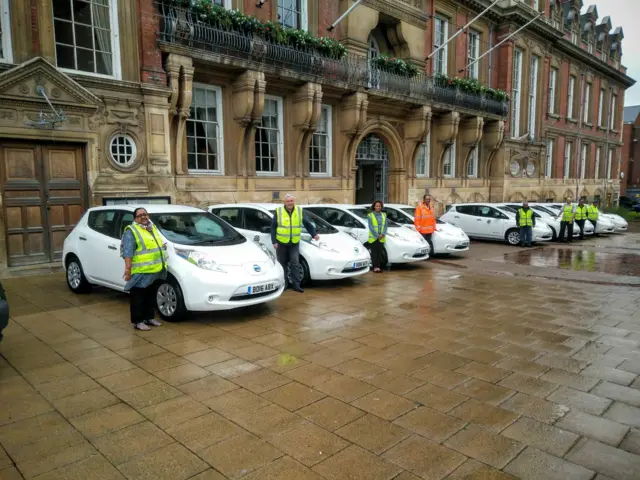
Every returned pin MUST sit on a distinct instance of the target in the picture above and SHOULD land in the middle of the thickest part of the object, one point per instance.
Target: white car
(603, 225)
(550, 218)
(446, 239)
(335, 255)
(210, 265)
(490, 222)
(620, 225)
(402, 245)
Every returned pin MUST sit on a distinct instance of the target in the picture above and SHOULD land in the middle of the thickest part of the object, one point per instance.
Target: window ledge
(588, 124)
(601, 128)
(613, 130)
(555, 116)
(572, 120)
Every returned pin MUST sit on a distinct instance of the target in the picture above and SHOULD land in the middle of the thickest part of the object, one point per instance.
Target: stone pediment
(19, 85)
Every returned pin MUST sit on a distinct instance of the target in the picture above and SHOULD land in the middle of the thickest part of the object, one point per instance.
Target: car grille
(351, 270)
(460, 247)
(238, 298)
(420, 255)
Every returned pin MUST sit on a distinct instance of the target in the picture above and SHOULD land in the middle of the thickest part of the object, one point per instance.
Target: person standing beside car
(581, 216)
(424, 219)
(144, 263)
(377, 220)
(286, 228)
(592, 215)
(567, 213)
(526, 220)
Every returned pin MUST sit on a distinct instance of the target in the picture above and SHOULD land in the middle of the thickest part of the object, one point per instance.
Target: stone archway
(517, 197)
(584, 193)
(388, 149)
(476, 197)
(534, 197)
(568, 193)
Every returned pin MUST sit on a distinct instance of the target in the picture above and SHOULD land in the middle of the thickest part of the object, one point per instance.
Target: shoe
(298, 289)
(153, 322)
(142, 326)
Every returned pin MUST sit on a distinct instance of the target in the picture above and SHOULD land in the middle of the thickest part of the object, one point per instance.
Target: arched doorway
(372, 160)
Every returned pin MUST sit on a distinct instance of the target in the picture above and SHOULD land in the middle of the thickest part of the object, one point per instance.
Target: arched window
(374, 48)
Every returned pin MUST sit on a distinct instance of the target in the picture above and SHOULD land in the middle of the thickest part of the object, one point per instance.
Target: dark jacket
(305, 223)
(533, 217)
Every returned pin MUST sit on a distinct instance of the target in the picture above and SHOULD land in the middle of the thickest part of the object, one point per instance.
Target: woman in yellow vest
(144, 263)
(581, 216)
(377, 235)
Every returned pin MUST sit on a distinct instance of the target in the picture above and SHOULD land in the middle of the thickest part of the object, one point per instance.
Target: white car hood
(247, 255)
(342, 243)
(406, 235)
(449, 229)
(615, 218)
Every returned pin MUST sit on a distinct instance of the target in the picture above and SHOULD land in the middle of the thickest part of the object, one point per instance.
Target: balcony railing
(181, 27)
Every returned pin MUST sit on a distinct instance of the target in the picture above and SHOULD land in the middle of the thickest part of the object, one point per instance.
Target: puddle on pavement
(578, 260)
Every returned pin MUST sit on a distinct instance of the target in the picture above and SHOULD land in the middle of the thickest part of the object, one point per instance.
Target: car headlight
(199, 259)
(267, 251)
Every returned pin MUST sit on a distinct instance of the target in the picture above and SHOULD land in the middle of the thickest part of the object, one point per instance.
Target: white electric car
(491, 222)
(211, 266)
(446, 239)
(335, 255)
(603, 225)
(550, 218)
(402, 245)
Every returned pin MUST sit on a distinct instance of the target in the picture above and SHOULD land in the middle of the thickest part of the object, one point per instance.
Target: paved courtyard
(494, 366)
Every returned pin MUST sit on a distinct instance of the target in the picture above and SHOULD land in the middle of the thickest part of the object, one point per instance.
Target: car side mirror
(266, 229)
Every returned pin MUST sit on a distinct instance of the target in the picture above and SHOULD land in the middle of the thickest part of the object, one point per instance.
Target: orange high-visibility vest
(424, 219)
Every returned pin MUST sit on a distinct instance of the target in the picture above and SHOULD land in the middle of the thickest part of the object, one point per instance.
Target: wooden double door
(43, 197)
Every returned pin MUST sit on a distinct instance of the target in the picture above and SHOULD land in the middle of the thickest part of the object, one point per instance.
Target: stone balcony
(180, 32)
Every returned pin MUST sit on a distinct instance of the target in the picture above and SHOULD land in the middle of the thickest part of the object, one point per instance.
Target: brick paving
(424, 372)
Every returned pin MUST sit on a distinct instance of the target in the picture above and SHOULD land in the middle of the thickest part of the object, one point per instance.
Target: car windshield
(513, 209)
(322, 227)
(538, 208)
(555, 207)
(408, 211)
(363, 212)
(196, 228)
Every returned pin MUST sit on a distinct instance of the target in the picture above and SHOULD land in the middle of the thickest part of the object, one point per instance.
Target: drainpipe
(606, 148)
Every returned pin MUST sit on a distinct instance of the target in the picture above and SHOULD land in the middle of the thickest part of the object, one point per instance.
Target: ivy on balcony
(395, 65)
(206, 12)
(471, 85)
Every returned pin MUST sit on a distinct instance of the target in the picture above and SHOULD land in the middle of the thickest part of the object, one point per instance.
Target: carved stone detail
(183, 108)
(409, 11)
(445, 134)
(354, 113)
(416, 129)
(307, 108)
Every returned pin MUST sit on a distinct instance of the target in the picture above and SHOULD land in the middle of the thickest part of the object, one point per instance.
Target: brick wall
(151, 70)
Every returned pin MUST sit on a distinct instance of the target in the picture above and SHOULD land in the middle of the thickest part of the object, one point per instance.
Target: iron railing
(179, 26)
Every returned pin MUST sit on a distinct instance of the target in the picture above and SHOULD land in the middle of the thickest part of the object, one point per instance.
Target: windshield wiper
(216, 242)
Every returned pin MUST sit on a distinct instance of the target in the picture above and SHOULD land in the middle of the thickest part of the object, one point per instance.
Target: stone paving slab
(424, 372)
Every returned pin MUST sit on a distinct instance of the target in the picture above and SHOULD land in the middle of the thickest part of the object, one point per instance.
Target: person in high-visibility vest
(581, 216)
(424, 219)
(145, 261)
(526, 220)
(567, 215)
(286, 228)
(377, 221)
(592, 215)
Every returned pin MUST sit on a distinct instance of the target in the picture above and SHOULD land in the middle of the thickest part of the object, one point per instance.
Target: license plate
(422, 251)
(359, 264)
(265, 287)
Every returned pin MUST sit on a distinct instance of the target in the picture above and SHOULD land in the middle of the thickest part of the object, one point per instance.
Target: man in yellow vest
(144, 263)
(592, 215)
(568, 213)
(526, 220)
(286, 228)
(581, 216)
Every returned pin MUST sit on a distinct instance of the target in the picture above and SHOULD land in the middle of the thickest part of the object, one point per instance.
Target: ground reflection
(578, 260)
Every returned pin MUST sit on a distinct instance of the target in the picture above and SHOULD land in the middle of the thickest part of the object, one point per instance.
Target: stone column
(470, 134)
(445, 133)
(306, 111)
(351, 123)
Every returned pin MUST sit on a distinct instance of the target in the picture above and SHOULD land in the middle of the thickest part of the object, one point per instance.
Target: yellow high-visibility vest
(374, 222)
(289, 227)
(567, 213)
(148, 256)
(525, 217)
(581, 212)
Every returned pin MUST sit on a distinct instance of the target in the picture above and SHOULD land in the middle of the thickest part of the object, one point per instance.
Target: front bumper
(542, 236)
(449, 243)
(338, 268)
(211, 291)
(407, 253)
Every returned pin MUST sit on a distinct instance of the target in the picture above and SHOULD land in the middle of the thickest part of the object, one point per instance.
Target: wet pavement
(461, 368)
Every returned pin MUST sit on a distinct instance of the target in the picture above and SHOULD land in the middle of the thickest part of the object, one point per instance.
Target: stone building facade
(108, 101)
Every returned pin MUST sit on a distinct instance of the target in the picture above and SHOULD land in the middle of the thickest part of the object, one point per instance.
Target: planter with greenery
(395, 65)
(206, 12)
(472, 86)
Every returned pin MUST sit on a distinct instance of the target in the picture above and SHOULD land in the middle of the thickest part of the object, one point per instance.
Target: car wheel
(169, 300)
(76, 281)
(513, 237)
(385, 257)
(305, 278)
(554, 235)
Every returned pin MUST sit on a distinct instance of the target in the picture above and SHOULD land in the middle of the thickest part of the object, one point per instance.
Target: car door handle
(112, 247)
(84, 239)
(479, 220)
(456, 216)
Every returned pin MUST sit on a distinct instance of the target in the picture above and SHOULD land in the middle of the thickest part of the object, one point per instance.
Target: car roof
(341, 206)
(265, 206)
(150, 207)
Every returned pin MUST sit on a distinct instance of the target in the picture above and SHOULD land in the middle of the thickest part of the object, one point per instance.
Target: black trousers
(569, 227)
(142, 304)
(288, 255)
(594, 222)
(427, 237)
(580, 224)
(377, 254)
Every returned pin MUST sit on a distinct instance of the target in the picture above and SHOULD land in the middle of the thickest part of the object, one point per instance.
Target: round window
(514, 167)
(123, 150)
